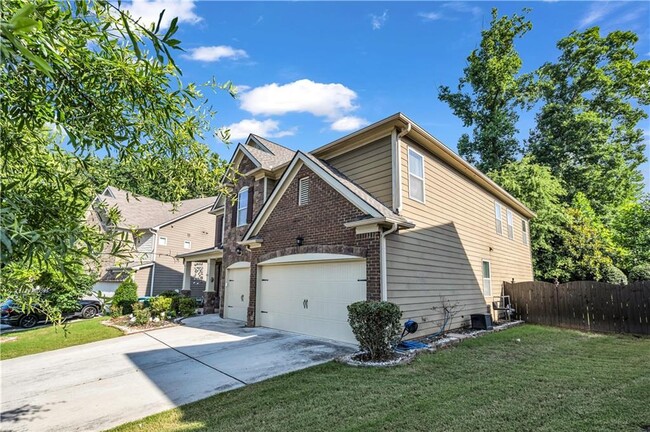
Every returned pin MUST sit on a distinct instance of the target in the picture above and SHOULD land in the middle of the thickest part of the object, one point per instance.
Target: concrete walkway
(104, 384)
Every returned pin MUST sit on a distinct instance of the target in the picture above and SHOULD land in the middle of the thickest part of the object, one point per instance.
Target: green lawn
(552, 380)
(50, 338)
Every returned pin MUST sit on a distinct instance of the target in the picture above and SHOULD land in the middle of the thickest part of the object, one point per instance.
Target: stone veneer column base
(209, 302)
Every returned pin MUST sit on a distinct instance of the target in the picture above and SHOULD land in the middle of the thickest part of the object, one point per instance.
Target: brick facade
(320, 223)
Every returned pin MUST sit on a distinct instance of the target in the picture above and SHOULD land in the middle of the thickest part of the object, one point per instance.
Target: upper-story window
(242, 206)
(187, 244)
(497, 218)
(416, 175)
(511, 226)
(303, 191)
(162, 241)
(524, 231)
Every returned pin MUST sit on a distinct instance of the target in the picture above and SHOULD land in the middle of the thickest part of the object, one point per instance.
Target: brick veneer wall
(320, 223)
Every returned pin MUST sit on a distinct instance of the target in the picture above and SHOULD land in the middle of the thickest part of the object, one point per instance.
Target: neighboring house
(156, 233)
(385, 213)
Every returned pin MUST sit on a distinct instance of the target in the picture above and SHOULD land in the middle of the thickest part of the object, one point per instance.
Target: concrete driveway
(103, 384)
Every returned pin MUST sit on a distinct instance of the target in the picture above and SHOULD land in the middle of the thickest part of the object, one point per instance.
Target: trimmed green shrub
(614, 275)
(172, 295)
(640, 272)
(141, 314)
(125, 295)
(116, 310)
(160, 305)
(376, 326)
(186, 306)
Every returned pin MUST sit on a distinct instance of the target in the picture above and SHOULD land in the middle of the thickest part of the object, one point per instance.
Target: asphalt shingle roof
(278, 154)
(142, 212)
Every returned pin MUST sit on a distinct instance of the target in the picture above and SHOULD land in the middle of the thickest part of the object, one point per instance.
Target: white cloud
(266, 128)
(215, 53)
(598, 11)
(430, 16)
(348, 123)
(378, 21)
(462, 7)
(322, 100)
(148, 11)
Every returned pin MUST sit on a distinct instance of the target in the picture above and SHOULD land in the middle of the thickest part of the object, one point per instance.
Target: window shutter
(218, 232)
(251, 195)
(233, 209)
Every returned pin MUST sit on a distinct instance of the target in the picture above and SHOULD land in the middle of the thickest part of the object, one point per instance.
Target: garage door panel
(311, 298)
(237, 293)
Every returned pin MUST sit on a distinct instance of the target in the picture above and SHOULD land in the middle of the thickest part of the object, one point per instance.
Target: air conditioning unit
(482, 321)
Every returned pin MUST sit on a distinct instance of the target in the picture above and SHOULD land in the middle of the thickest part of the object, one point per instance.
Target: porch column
(187, 278)
(210, 296)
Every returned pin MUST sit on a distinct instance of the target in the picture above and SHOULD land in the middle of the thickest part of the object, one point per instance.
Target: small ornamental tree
(125, 295)
(614, 275)
(376, 326)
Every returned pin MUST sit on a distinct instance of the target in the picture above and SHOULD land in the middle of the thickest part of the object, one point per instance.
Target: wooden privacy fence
(583, 305)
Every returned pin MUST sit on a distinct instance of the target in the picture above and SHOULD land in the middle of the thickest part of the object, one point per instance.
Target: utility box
(482, 321)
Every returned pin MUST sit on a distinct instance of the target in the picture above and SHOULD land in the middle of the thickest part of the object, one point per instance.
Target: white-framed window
(162, 241)
(487, 278)
(416, 175)
(497, 217)
(524, 231)
(303, 191)
(187, 244)
(242, 206)
(511, 226)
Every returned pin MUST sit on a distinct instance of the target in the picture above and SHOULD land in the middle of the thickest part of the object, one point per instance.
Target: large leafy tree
(631, 231)
(489, 93)
(587, 129)
(80, 79)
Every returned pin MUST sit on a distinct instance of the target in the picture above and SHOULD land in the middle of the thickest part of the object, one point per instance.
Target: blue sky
(311, 72)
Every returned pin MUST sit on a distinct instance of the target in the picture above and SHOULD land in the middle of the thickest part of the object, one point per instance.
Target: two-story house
(385, 213)
(156, 232)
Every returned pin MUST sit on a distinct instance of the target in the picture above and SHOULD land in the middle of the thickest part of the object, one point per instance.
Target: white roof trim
(230, 164)
(184, 215)
(309, 257)
(379, 220)
(286, 179)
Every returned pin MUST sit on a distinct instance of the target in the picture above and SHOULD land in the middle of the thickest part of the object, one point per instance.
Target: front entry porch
(213, 258)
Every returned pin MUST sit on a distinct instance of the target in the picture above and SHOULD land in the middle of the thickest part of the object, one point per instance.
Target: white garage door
(311, 297)
(237, 291)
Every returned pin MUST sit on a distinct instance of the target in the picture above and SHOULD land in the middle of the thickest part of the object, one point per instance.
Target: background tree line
(578, 169)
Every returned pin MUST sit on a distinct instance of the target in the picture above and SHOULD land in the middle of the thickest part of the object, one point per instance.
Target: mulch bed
(433, 343)
(124, 324)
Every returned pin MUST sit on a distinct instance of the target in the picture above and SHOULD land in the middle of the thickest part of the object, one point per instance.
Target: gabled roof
(143, 212)
(346, 187)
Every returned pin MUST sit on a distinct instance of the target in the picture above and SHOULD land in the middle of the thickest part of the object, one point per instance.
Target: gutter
(383, 283)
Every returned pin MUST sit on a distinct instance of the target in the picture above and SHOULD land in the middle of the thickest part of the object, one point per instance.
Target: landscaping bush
(172, 295)
(161, 305)
(186, 306)
(116, 310)
(125, 295)
(141, 314)
(614, 275)
(376, 325)
(640, 272)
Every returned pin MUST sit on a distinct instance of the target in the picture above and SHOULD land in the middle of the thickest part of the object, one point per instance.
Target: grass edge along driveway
(550, 380)
(50, 338)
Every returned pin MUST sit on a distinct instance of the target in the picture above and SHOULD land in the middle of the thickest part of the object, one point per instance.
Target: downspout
(382, 262)
(155, 251)
(397, 167)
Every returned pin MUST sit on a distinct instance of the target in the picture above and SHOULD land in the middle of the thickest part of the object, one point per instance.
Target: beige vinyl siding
(142, 278)
(198, 228)
(442, 256)
(370, 167)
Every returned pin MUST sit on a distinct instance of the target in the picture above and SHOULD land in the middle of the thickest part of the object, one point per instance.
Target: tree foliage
(490, 105)
(631, 231)
(78, 80)
(587, 128)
